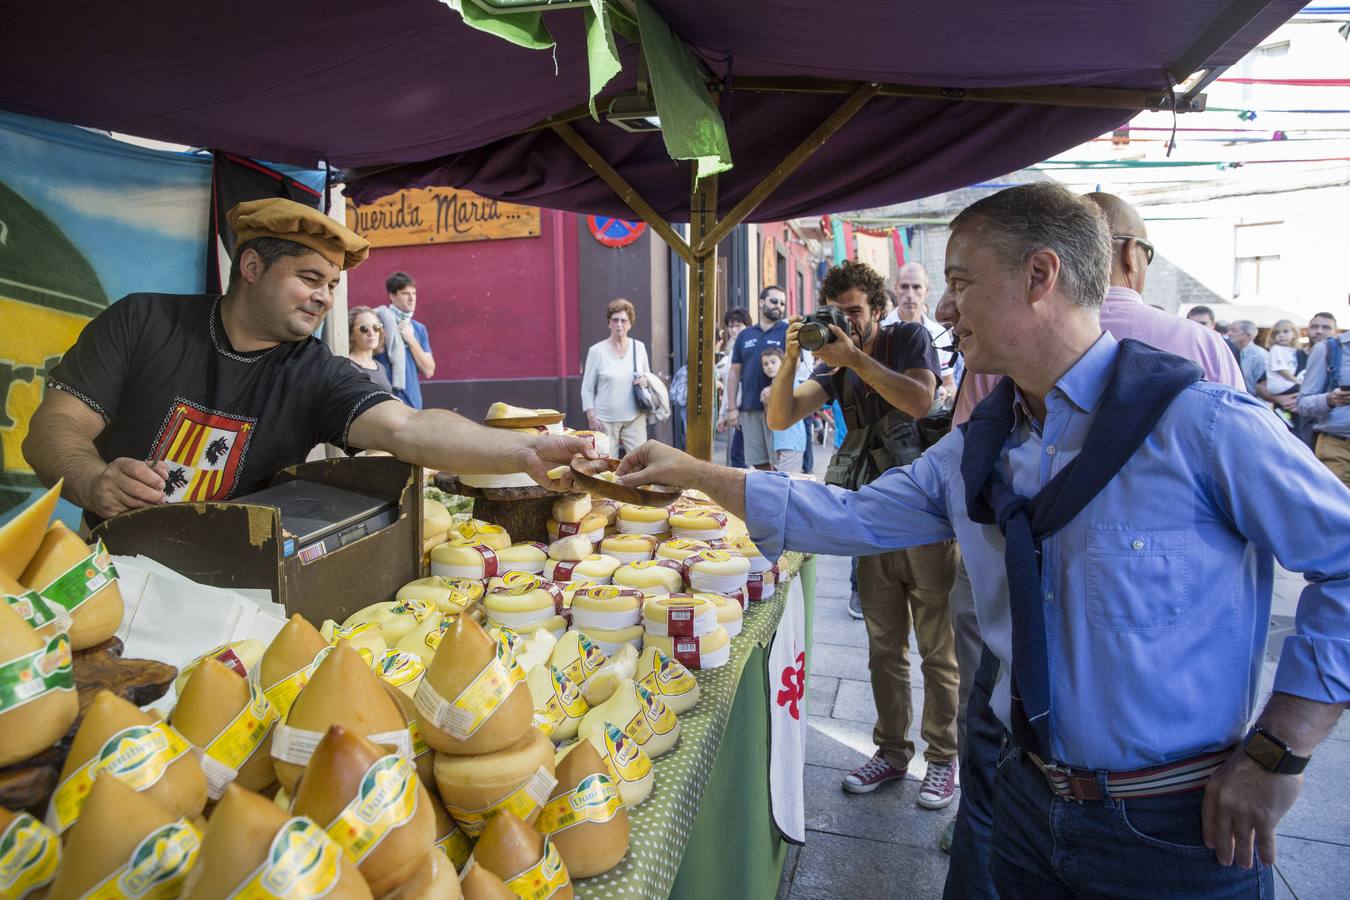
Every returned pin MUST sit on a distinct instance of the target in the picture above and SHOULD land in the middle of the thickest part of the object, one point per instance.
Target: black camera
(815, 331)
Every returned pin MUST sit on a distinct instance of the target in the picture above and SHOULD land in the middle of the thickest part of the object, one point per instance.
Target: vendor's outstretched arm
(440, 439)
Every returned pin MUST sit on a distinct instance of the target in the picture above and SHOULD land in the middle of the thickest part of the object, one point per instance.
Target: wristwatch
(1272, 754)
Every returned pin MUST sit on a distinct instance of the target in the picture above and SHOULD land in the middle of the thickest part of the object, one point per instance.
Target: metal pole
(702, 409)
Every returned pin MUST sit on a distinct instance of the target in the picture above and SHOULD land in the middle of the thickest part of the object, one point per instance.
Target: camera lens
(813, 335)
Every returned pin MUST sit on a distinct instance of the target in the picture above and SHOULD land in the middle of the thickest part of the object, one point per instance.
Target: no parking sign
(615, 232)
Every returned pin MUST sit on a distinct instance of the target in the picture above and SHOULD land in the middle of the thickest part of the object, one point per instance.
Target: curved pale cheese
(36, 855)
(668, 679)
(95, 619)
(707, 651)
(679, 614)
(746, 547)
(640, 714)
(21, 536)
(35, 724)
(761, 585)
(657, 576)
(577, 656)
(467, 560)
(365, 639)
(435, 879)
(501, 410)
(629, 548)
(570, 549)
(572, 507)
(585, 817)
(477, 883)
(624, 757)
(558, 702)
(423, 640)
(595, 568)
(517, 778)
(526, 861)
(680, 549)
(518, 593)
(476, 531)
(717, 571)
(730, 613)
(612, 640)
(450, 595)
(396, 620)
(436, 519)
(463, 706)
(600, 686)
(531, 620)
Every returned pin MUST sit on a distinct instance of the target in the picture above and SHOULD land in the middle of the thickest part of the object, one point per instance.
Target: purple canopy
(405, 88)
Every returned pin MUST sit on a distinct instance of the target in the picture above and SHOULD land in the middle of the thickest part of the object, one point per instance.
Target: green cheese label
(36, 674)
(82, 580)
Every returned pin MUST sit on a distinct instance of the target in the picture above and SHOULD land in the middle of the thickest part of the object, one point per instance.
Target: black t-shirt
(904, 345)
(160, 370)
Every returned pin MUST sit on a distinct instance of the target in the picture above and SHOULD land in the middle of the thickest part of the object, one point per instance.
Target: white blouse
(607, 380)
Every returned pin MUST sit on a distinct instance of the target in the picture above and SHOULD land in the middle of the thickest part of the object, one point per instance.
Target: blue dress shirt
(1158, 593)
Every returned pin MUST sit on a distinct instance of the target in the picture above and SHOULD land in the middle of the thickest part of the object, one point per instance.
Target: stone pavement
(882, 845)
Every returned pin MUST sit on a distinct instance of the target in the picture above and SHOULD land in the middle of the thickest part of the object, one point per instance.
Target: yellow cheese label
(237, 740)
(29, 855)
(625, 757)
(659, 716)
(73, 588)
(548, 717)
(419, 746)
(157, 868)
(282, 694)
(137, 756)
(456, 846)
(420, 610)
(518, 584)
(568, 694)
(523, 801)
(386, 799)
(668, 678)
(301, 862)
(399, 668)
(471, 529)
(590, 658)
(543, 879)
(595, 799)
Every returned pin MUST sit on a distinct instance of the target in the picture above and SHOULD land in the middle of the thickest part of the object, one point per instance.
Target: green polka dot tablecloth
(661, 823)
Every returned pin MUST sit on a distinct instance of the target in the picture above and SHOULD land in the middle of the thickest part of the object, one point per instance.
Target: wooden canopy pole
(701, 408)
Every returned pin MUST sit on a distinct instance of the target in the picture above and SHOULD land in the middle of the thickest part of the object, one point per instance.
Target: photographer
(884, 379)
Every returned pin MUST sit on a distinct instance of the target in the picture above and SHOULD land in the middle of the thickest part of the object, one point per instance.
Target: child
(789, 445)
(1283, 366)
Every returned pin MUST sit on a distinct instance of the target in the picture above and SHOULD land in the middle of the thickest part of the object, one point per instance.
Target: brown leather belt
(1179, 777)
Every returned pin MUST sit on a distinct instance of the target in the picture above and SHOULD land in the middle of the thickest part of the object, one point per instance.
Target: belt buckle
(1079, 786)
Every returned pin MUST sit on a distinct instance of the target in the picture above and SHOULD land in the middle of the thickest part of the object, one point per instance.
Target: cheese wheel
(700, 524)
(606, 607)
(476, 531)
(523, 599)
(679, 614)
(454, 719)
(517, 778)
(643, 519)
(457, 560)
(345, 691)
(215, 699)
(21, 536)
(571, 507)
(761, 585)
(680, 549)
(668, 679)
(94, 618)
(585, 818)
(592, 527)
(510, 480)
(136, 747)
(730, 614)
(607, 508)
(653, 577)
(364, 786)
(640, 714)
(746, 547)
(570, 549)
(526, 861)
(121, 829)
(717, 571)
(629, 548)
(449, 595)
(610, 640)
(36, 723)
(554, 624)
(248, 833)
(595, 568)
(707, 651)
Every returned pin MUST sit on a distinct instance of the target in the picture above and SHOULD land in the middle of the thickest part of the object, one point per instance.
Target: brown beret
(277, 217)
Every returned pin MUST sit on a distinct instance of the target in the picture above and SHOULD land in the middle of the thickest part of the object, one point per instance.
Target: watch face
(1265, 751)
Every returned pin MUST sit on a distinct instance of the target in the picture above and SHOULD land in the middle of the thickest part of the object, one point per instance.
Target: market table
(707, 828)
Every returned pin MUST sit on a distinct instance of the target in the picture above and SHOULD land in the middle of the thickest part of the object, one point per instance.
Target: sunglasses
(1147, 247)
(370, 329)
(775, 301)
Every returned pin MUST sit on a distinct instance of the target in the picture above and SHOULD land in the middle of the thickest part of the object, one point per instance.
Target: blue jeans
(677, 425)
(809, 455)
(968, 874)
(736, 452)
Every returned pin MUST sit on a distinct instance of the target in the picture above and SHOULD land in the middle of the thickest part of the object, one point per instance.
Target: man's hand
(840, 353)
(405, 329)
(1287, 402)
(125, 484)
(594, 421)
(721, 424)
(792, 346)
(733, 418)
(552, 450)
(764, 395)
(1243, 801)
(1339, 397)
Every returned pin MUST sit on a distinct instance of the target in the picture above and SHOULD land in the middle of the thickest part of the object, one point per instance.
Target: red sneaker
(939, 785)
(871, 775)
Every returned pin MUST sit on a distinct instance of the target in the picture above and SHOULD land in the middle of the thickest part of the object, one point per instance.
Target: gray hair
(1246, 326)
(1031, 217)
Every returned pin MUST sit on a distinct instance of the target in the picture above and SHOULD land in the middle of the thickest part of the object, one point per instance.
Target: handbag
(643, 395)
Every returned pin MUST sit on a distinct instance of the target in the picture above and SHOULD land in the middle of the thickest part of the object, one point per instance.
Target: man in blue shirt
(746, 380)
(407, 350)
(1154, 598)
(1324, 399)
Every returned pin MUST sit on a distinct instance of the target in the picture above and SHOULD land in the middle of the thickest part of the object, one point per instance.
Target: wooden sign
(440, 216)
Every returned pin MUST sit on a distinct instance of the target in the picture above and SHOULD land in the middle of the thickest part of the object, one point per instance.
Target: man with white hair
(911, 305)
(1252, 357)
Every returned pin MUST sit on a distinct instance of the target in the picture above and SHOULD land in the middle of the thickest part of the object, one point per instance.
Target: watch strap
(1272, 754)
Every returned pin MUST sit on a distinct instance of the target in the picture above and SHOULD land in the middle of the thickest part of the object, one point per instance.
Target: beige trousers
(629, 435)
(1335, 452)
(900, 590)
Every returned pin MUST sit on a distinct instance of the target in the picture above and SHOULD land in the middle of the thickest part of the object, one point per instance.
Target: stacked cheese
(609, 615)
(573, 515)
(524, 603)
(762, 579)
(643, 520)
(686, 627)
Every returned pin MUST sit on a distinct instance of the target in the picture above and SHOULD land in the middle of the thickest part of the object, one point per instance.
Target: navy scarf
(1143, 383)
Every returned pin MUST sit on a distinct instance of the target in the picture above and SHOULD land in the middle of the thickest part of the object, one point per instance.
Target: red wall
(493, 308)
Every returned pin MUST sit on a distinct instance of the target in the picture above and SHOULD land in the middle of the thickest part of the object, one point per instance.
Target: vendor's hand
(840, 353)
(658, 463)
(550, 451)
(1243, 801)
(125, 484)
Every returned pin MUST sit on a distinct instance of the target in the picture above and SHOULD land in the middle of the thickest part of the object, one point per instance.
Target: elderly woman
(613, 367)
(364, 340)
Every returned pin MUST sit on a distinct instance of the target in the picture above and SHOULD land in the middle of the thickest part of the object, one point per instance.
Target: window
(1256, 259)
(1272, 50)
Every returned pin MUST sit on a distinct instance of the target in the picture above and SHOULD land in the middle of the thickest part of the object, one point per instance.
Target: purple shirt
(1124, 314)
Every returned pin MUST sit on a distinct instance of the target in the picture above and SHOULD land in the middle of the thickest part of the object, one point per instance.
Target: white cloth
(394, 346)
(787, 718)
(607, 381)
(1282, 359)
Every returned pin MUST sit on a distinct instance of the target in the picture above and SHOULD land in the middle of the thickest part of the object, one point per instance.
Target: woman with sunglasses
(365, 339)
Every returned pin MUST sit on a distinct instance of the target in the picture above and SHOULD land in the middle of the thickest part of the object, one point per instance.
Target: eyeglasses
(370, 329)
(1147, 247)
(618, 320)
